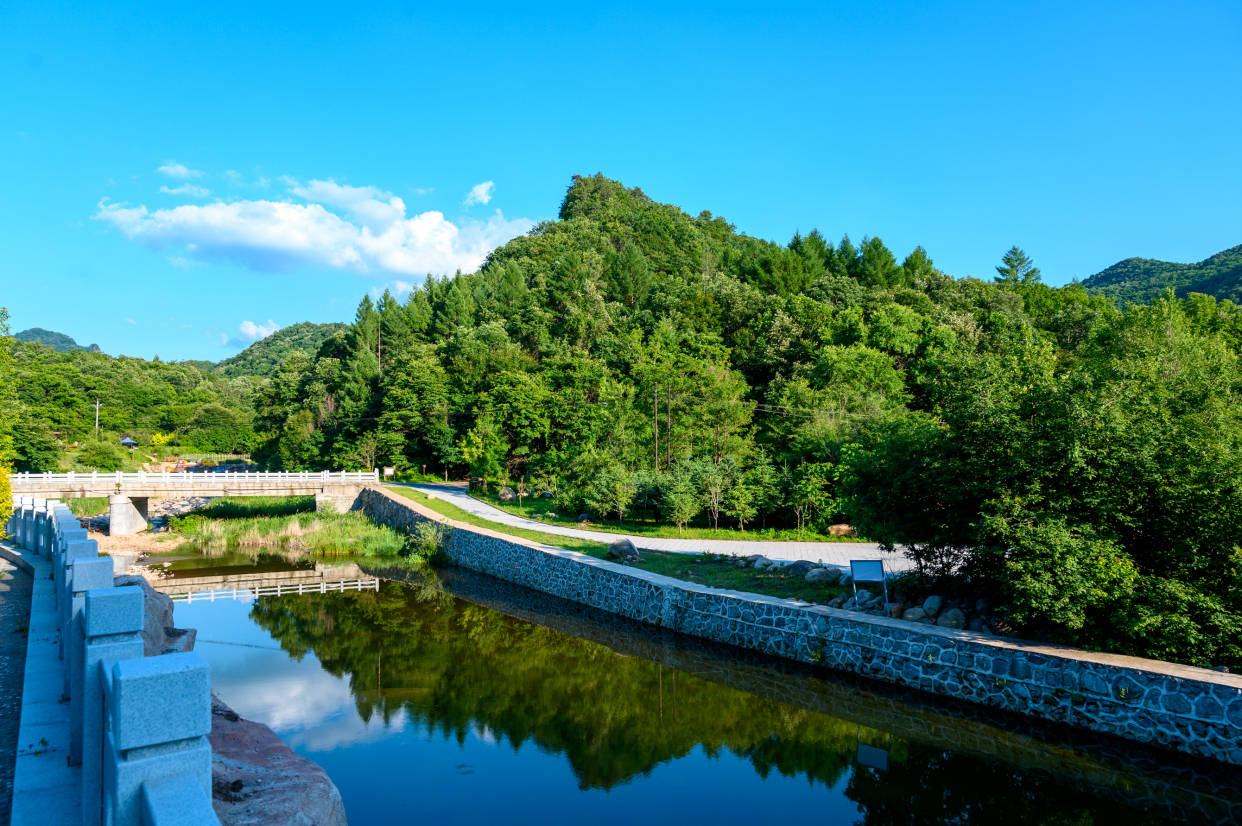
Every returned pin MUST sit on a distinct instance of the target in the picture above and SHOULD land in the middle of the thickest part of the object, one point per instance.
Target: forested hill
(1143, 279)
(634, 359)
(57, 341)
(264, 356)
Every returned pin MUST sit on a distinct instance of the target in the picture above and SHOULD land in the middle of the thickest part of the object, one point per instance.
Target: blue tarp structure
(128, 442)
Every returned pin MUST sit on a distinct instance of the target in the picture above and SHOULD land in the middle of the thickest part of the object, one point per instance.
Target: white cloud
(253, 332)
(233, 175)
(372, 206)
(362, 229)
(193, 190)
(130, 321)
(480, 193)
(180, 171)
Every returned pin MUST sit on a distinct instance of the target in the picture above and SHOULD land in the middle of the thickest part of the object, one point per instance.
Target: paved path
(15, 587)
(832, 553)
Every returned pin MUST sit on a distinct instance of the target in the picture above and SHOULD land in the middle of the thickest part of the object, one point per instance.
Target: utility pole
(96, 418)
(655, 420)
(668, 434)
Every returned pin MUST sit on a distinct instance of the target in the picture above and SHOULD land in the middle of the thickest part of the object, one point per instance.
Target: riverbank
(1188, 709)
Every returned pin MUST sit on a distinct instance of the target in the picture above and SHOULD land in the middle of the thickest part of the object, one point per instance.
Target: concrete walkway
(830, 553)
(15, 588)
(46, 789)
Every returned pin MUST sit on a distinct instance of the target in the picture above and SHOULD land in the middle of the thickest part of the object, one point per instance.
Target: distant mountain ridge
(1137, 280)
(59, 342)
(264, 356)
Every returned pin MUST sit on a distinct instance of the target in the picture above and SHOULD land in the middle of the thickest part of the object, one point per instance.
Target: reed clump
(288, 526)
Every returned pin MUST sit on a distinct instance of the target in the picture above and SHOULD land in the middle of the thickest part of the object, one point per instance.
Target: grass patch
(705, 569)
(722, 572)
(286, 525)
(534, 507)
(88, 506)
(457, 514)
(250, 507)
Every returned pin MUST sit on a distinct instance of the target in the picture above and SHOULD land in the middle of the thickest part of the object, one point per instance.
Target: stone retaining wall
(1192, 710)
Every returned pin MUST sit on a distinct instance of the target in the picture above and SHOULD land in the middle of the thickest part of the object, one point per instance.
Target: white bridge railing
(189, 478)
(371, 584)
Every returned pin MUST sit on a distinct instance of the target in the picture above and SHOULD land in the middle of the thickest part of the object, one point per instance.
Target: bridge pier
(126, 514)
(335, 502)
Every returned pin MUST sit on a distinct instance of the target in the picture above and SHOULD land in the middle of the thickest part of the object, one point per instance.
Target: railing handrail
(280, 589)
(26, 478)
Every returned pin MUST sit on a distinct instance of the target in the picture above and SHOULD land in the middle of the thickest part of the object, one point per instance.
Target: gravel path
(15, 587)
(832, 553)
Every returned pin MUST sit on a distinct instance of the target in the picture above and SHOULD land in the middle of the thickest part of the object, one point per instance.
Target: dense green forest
(1079, 460)
(57, 341)
(1145, 279)
(155, 402)
(265, 355)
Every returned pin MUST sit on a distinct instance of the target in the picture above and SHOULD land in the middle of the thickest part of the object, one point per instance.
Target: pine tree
(1017, 268)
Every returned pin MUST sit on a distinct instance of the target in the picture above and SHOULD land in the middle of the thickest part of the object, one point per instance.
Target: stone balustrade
(137, 726)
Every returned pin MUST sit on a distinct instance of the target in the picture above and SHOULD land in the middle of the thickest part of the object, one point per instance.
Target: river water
(462, 699)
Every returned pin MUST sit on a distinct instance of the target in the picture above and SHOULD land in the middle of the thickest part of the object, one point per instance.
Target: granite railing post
(85, 575)
(69, 534)
(157, 763)
(27, 524)
(110, 625)
(62, 570)
(41, 524)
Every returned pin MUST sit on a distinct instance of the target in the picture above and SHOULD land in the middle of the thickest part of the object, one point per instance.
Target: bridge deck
(167, 485)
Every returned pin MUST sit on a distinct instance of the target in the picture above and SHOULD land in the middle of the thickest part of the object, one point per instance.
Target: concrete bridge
(129, 494)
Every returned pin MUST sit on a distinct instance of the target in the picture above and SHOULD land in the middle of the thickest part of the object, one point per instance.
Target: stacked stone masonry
(1192, 710)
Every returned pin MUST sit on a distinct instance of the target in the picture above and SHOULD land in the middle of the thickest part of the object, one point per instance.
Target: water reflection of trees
(455, 666)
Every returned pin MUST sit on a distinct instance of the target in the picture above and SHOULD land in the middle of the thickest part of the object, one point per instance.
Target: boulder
(257, 780)
(846, 578)
(862, 596)
(827, 576)
(932, 605)
(895, 610)
(914, 614)
(761, 564)
(584, 517)
(623, 550)
(506, 494)
(550, 514)
(953, 618)
(799, 568)
(841, 530)
(837, 601)
(158, 634)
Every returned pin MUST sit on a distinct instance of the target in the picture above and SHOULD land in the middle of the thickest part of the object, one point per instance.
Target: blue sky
(180, 180)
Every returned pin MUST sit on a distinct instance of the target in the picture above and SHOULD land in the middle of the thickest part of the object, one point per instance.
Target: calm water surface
(471, 701)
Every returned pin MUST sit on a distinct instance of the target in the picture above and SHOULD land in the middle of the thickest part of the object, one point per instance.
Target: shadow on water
(459, 651)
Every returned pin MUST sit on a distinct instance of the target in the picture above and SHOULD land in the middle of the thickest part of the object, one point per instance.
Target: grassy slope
(704, 569)
(533, 507)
